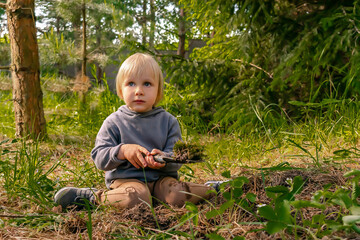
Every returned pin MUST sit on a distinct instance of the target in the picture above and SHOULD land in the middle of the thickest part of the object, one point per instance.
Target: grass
(262, 167)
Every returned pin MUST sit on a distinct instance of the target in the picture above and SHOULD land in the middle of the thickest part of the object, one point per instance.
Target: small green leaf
(237, 192)
(191, 207)
(251, 197)
(215, 236)
(267, 212)
(227, 195)
(283, 212)
(212, 213)
(342, 199)
(277, 189)
(239, 182)
(226, 174)
(226, 205)
(304, 204)
(274, 227)
(239, 238)
(298, 183)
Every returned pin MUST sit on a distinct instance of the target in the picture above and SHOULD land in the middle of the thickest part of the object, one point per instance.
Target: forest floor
(21, 219)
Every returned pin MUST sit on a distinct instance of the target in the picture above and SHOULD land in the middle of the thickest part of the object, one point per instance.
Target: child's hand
(134, 154)
(151, 162)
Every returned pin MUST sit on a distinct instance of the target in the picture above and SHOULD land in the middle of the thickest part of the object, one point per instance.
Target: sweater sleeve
(107, 145)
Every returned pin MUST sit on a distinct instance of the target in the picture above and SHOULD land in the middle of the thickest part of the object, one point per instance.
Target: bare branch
(4, 67)
(255, 66)
(3, 5)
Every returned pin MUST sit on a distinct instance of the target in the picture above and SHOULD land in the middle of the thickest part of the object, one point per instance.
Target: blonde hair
(134, 66)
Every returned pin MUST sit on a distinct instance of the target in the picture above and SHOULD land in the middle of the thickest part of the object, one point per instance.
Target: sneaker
(215, 185)
(68, 196)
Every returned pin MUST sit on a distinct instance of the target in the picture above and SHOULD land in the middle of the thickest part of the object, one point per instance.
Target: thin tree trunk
(152, 25)
(83, 80)
(182, 34)
(99, 71)
(57, 26)
(83, 65)
(77, 38)
(144, 23)
(25, 69)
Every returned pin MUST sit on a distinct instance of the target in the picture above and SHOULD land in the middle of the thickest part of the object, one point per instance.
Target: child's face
(140, 92)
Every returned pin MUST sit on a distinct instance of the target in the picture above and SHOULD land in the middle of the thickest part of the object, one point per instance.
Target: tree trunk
(83, 80)
(76, 23)
(25, 69)
(99, 71)
(83, 65)
(57, 26)
(182, 31)
(144, 23)
(152, 25)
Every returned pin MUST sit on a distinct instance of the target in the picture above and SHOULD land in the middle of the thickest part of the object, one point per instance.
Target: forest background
(270, 80)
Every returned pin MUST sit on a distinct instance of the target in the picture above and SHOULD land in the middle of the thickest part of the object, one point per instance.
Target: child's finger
(155, 151)
(141, 159)
(135, 164)
(153, 164)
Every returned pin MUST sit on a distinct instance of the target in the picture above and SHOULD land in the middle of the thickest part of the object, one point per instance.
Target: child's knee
(127, 195)
(176, 193)
(137, 196)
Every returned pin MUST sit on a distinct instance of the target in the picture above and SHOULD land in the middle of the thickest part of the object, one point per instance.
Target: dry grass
(22, 220)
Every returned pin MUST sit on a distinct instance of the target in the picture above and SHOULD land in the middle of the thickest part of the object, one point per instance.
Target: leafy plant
(278, 212)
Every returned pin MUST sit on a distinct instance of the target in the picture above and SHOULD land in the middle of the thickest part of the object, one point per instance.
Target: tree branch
(3, 5)
(255, 66)
(4, 67)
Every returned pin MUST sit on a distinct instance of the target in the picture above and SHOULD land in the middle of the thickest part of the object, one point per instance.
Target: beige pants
(126, 193)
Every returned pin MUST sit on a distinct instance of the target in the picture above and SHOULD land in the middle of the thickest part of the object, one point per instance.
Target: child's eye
(147, 84)
(131, 84)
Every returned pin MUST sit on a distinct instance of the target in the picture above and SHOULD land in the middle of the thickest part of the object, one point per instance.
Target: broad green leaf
(226, 174)
(239, 181)
(282, 211)
(212, 213)
(237, 192)
(274, 227)
(342, 199)
(226, 205)
(191, 207)
(267, 212)
(251, 197)
(277, 189)
(297, 185)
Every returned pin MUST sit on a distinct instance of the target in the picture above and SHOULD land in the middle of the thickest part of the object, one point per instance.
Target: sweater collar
(125, 109)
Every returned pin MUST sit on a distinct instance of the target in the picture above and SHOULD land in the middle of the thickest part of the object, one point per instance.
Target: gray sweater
(154, 129)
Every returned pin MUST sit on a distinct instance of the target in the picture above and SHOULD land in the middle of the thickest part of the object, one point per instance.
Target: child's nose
(139, 91)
